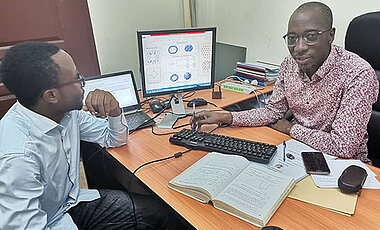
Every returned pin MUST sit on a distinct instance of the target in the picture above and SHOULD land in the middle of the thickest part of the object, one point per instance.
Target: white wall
(115, 23)
(260, 24)
(256, 24)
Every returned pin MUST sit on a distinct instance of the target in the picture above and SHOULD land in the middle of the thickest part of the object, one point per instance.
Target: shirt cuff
(233, 118)
(116, 123)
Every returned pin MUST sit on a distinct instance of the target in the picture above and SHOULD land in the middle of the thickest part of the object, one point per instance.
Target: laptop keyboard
(134, 118)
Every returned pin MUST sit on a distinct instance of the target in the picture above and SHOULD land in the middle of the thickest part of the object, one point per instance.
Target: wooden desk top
(143, 146)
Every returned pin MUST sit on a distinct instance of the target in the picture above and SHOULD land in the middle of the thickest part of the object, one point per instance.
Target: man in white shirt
(39, 148)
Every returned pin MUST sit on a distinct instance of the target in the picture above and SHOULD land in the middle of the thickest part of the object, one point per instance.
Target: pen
(284, 147)
(194, 122)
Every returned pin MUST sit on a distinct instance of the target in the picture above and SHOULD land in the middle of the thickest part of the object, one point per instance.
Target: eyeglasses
(311, 38)
(79, 79)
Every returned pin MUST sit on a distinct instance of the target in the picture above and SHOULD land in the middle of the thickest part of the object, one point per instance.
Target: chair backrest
(363, 38)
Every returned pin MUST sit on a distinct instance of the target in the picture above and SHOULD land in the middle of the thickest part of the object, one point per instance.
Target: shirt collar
(325, 68)
(41, 122)
(327, 65)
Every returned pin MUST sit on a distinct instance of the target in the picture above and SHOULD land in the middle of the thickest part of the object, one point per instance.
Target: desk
(143, 146)
(228, 97)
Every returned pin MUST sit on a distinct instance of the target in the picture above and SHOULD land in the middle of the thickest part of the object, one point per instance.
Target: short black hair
(27, 70)
(325, 10)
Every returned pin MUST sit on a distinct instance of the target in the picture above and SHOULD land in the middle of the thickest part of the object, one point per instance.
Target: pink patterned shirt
(331, 111)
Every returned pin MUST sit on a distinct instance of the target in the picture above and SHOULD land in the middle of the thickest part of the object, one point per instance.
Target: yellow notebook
(328, 198)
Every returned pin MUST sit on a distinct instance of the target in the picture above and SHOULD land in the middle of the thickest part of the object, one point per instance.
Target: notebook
(122, 86)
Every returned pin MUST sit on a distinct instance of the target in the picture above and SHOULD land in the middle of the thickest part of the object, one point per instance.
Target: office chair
(363, 38)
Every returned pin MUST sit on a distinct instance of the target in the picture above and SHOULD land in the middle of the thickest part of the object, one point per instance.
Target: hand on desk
(283, 126)
(208, 117)
(103, 102)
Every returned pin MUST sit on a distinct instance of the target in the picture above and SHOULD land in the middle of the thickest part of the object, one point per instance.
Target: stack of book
(263, 73)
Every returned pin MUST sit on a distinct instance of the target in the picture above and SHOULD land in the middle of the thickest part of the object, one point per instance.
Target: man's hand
(99, 101)
(207, 117)
(282, 125)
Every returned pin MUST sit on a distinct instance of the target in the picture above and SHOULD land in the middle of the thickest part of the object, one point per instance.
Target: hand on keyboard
(211, 117)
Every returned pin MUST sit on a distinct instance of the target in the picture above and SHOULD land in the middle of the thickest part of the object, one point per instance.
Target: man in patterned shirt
(329, 90)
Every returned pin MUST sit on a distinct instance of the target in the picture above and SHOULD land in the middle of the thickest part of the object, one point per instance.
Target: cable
(265, 97)
(212, 104)
(92, 155)
(219, 125)
(233, 78)
(180, 126)
(128, 190)
(206, 101)
(188, 94)
(175, 155)
(163, 134)
(146, 100)
(257, 98)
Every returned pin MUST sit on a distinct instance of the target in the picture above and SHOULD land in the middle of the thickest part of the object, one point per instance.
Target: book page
(255, 194)
(212, 173)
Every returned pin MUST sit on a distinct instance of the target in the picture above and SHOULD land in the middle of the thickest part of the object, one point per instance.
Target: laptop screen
(121, 85)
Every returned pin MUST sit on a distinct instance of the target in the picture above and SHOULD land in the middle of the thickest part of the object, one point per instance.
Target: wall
(115, 23)
(257, 24)
(260, 24)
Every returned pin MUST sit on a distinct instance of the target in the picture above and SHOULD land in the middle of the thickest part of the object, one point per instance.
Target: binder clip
(216, 94)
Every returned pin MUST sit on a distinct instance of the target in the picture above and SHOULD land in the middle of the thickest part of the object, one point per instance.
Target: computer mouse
(271, 228)
(156, 106)
(197, 102)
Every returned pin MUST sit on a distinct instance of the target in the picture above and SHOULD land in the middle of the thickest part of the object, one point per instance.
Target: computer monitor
(176, 61)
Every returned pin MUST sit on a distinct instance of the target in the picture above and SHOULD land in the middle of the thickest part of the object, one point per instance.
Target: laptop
(122, 86)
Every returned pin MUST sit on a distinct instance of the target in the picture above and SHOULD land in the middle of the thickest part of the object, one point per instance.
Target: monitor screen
(174, 61)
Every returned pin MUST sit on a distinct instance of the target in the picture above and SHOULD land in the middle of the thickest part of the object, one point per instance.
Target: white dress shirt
(39, 165)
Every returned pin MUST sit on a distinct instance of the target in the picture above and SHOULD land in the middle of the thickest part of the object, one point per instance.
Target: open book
(234, 185)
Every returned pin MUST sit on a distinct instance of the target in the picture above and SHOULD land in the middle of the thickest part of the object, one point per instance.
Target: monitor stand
(178, 111)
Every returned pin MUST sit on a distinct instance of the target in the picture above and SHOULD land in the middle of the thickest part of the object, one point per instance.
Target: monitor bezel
(172, 31)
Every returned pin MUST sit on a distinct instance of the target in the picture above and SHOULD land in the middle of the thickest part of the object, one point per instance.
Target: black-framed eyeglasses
(311, 38)
(79, 79)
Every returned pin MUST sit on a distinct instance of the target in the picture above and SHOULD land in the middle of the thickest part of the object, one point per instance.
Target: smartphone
(315, 163)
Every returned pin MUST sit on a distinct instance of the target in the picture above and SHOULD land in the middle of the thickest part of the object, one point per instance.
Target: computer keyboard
(253, 151)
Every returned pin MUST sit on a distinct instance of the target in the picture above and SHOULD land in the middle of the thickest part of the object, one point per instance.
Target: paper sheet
(291, 167)
(337, 167)
(331, 199)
